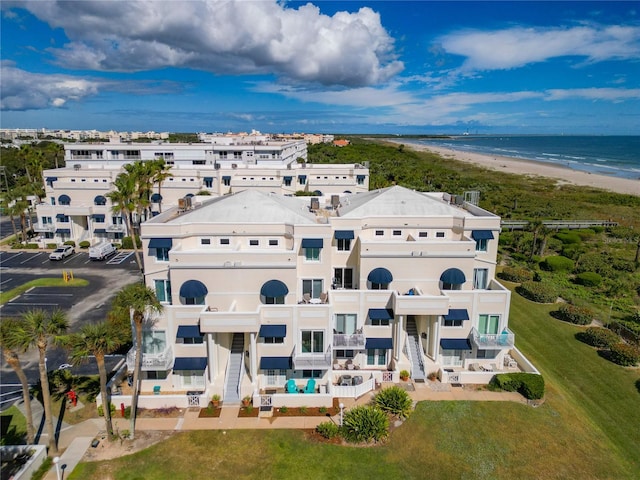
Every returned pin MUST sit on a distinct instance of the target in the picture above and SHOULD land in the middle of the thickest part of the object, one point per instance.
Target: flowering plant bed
(248, 412)
(210, 412)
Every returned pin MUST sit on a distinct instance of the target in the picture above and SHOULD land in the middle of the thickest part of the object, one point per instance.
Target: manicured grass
(14, 427)
(41, 282)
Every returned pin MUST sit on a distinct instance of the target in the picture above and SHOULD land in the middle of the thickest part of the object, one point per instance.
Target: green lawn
(14, 427)
(41, 282)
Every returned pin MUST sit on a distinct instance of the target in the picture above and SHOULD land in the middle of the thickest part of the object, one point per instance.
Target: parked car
(101, 251)
(62, 252)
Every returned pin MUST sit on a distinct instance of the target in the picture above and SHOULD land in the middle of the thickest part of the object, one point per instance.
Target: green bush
(52, 245)
(365, 423)
(84, 244)
(70, 242)
(394, 400)
(574, 314)
(127, 412)
(328, 430)
(568, 237)
(31, 246)
(112, 408)
(127, 243)
(624, 354)
(588, 279)
(598, 337)
(516, 274)
(538, 292)
(529, 385)
(557, 263)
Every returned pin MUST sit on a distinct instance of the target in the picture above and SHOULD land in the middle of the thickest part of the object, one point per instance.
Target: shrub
(394, 400)
(127, 243)
(31, 246)
(573, 314)
(328, 430)
(304, 410)
(112, 408)
(284, 409)
(598, 337)
(70, 242)
(568, 237)
(404, 374)
(84, 244)
(557, 263)
(322, 410)
(52, 245)
(624, 354)
(364, 424)
(588, 279)
(516, 274)
(538, 292)
(529, 385)
(127, 412)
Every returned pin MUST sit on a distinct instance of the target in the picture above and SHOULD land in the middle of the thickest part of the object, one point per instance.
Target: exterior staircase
(234, 370)
(417, 367)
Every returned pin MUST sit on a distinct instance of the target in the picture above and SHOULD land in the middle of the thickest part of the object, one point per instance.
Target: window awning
(193, 289)
(312, 243)
(482, 234)
(208, 179)
(457, 314)
(274, 289)
(226, 177)
(160, 243)
(380, 314)
(344, 235)
(64, 230)
(156, 197)
(275, 363)
(188, 331)
(51, 179)
(190, 363)
(380, 275)
(275, 331)
(99, 230)
(100, 200)
(360, 177)
(98, 217)
(455, 344)
(189, 195)
(64, 198)
(453, 276)
(60, 216)
(382, 343)
(302, 177)
(287, 178)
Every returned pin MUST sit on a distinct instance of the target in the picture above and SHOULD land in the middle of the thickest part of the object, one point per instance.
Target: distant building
(341, 142)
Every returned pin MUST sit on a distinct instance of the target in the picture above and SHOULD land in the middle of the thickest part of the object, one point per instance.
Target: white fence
(159, 401)
(354, 391)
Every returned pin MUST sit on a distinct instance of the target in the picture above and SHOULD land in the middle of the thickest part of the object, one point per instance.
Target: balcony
(115, 228)
(493, 341)
(151, 361)
(312, 361)
(354, 341)
(44, 228)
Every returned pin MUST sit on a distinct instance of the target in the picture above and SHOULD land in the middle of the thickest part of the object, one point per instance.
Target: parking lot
(40, 259)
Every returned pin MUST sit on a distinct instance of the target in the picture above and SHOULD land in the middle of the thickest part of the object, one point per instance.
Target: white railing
(151, 361)
(43, 228)
(312, 360)
(354, 391)
(493, 340)
(115, 228)
(356, 340)
(240, 376)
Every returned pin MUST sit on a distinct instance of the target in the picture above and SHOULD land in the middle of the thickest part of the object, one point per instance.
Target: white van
(101, 251)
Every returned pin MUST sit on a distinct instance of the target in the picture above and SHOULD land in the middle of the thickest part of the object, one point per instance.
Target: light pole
(56, 462)
(341, 412)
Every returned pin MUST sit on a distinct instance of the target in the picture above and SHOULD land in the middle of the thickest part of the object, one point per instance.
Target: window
(379, 233)
(343, 278)
(312, 341)
(191, 341)
(254, 243)
(345, 353)
(47, 220)
(99, 219)
(198, 162)
(376, 356)
(53, 200)
(487, 353)
(312, 254)
(360, 179)
(116, 220)
(422, 234)
(155, 375)
(313, 287)
(162, 254)
(273, 243)
(226, 181)
(223, 155)
(237, 155)
(380, 322)
(287, 181)
(302, 179)
(208, 182)
(346, 323)
(273, 340)
(49, 235)
(205, 241)
(311, 373)
(452, 323)
(439, 234)
(397, 233)
(154, 341)
(481, 245)
(488, 324)
(344, 244)
(224, 241)
(62, 218)
(274, 300)
(480, 278)
(163, 290)
(192, 378)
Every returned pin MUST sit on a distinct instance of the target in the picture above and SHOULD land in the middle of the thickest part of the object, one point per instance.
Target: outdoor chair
(306, 297)
(156, 390)
(311, 386)
(291, 386)
(324, 296)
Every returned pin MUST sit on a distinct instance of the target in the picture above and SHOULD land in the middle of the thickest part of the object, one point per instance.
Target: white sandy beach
(526, 167)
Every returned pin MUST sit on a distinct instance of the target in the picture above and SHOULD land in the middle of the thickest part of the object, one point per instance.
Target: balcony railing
(356, 340)
(312, 360)
(44, 228)
(115, 228)
(151, 361)
(493, 341)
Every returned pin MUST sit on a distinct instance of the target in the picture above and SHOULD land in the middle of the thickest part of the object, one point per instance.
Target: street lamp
(341, 412)
(56, 462)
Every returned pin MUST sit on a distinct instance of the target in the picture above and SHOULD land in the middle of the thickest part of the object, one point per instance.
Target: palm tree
(36, 329)
(123, 202)
(98, 340)
(139, 301)
(160, 174)
(10, 351)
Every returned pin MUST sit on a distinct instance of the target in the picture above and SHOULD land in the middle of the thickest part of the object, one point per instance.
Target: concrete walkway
(75, 440)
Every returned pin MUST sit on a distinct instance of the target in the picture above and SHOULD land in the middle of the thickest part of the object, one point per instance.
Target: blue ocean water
(617, 156)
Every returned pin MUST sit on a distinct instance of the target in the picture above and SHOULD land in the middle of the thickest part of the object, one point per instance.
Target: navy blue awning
(99, 230)
(302, 177)
(344, 235)
(51, 179)
(455, 344)
(383, 343)
(312, 243)
(188, 331)
(208, 179)
(360, 177)
(64, 198)
(453, 276)
(275, 331)
(98, 217)
(160, 243)
(275, 363)
(190, 363)
(274, 289)
(457, 314)
(380, 314)
(482, 234)
(226, 177)
(380, 275)
(193, 289)
(189, 195)
(100, 200)
(287, 178)
(156, 197)
(64, 230)
(60, 216)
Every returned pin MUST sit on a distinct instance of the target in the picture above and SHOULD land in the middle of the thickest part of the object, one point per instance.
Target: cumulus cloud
(516, 47)
(247, 37)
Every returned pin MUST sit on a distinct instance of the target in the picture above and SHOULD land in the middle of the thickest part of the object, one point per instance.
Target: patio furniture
(311, 386)
(474, 367)
(324, 296)
(291, 386)
(156, 390)
(345, 380)
(357, 380)
(306, 297)
(487, 368)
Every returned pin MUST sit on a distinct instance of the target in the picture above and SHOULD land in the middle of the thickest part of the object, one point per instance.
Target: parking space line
(31, 257)
(8, 280)
(31, 303)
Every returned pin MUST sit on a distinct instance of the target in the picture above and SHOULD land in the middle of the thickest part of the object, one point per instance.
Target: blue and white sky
(332, 67)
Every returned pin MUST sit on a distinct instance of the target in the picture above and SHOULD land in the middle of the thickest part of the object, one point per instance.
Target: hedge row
(538, 292)
(530, 385)
(598, 337)
(573, 314)
(516, 274)
(624, 354)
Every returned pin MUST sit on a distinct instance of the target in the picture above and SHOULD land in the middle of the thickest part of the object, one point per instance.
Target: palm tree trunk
(160, 197)
(106, 407)
(14, 362)
(23, 224)
(136, 372)
(135, 244)
(46, 400)
(13, 224)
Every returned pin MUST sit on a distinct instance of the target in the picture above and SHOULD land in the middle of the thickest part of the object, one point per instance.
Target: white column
(436, 340)
(211, 350)
(399, 336)
(254, 361)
